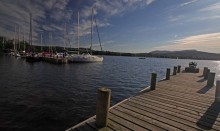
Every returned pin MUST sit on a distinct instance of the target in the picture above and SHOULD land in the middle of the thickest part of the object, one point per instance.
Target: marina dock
(183, 101)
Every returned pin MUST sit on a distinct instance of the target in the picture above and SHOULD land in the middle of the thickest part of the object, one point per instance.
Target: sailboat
(85, 58)
(23, 53)
(31, 57)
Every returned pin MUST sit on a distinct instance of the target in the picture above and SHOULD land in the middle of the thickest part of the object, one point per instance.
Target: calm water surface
(43, 96)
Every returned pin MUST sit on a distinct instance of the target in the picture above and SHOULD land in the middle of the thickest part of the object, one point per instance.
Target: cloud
(175, 18)
(213, 7)
(115, 7)
(59, 11)
(14, 13)
(108, 9)
(204, 18)
(188, 3)
(50, 15)
(204, 42)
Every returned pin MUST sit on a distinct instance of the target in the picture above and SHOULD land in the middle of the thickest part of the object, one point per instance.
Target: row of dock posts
(104, 94)
(210, 76)
(176, 69)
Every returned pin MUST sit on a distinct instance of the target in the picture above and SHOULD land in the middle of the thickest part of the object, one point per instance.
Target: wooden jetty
(184, 101)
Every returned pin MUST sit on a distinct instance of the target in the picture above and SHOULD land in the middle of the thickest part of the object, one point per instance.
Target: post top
(154, 73)
(104, 89)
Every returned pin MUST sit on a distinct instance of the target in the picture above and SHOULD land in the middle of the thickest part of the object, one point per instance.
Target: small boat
(192, 64)
(17, 54)
(142, 58)
(192, 68)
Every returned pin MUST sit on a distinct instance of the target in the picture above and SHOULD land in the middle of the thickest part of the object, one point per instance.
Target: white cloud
(49, 15)
(175, 18)
(204, 18)
(16, 13)
(213, 7)
(204, 42)
(115, 7)
(107, 9)
(59, 11)
(187, 3)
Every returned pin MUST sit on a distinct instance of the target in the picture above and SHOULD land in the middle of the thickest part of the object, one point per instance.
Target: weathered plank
(183, 111)
(162, 117)
(129, 123)
(171, 113)
(138, 119)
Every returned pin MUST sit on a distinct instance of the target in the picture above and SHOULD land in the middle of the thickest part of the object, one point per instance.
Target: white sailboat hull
(85, 58)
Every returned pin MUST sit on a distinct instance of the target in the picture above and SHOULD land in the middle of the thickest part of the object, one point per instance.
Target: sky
(136, 26)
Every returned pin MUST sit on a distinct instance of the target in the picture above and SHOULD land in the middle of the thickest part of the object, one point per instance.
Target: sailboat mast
(91, 32)
(51, 47)
(98, 34)
(31, 30)
(41, 38)
(64, 37)
(19, 46)
(23, 40)
(49, 42)
(3, 43)
(78, 33)
(14, 38)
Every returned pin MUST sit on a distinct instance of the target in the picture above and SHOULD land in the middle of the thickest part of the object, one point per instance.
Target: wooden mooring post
(178, 68)
(153, 81)
(168, 74)
(206, 74)
(174, 70)
(211, 79)
(103, 104)
(217, 91)
(204, 71)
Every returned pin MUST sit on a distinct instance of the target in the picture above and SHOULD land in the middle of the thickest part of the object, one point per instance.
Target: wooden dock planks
(182, 103)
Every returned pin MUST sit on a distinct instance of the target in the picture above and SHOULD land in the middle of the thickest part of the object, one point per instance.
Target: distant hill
(185, 54)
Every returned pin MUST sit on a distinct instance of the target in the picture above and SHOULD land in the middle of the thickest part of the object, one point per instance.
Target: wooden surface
(182, 103)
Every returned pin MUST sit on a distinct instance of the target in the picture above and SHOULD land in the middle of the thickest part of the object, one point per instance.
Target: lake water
(44, 96)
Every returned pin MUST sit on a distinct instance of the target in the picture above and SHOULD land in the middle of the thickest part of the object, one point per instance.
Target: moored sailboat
(85, 58)
(31, 56)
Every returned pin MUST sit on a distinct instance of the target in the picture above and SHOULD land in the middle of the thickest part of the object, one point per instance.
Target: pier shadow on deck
(201, 76)
(204, 90)
(202, 80)
(209, 117)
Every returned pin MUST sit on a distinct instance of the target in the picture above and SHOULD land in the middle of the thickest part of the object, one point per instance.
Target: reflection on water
(46, 96)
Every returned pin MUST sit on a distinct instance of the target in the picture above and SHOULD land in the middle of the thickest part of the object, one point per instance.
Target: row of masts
(15, 41)
(50, 36)
(17, 34)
